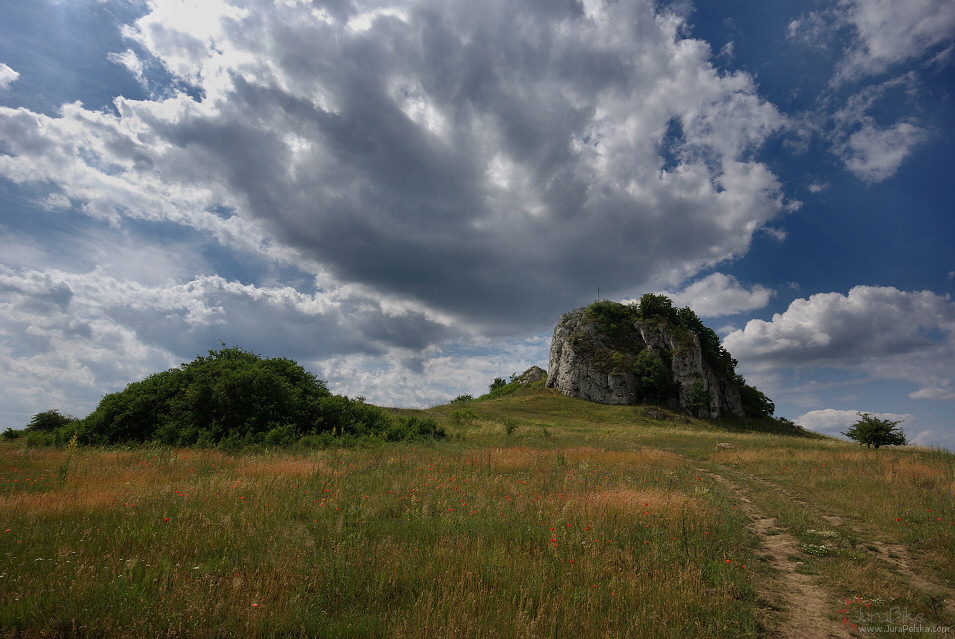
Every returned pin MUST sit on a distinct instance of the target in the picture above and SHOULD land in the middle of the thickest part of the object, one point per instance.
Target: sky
(405, 196)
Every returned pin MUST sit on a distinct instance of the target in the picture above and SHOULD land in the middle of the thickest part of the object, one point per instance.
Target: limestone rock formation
(601, 363)
(531, 375)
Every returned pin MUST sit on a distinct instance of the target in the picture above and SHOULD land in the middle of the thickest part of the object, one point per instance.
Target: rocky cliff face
(602, 363)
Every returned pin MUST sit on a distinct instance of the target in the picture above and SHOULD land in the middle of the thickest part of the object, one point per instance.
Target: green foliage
(700, 398)
(657, 307)
(499, 388)
(499, 382)
(660, 307)
(510, 425)
(755, 403)
(236, 399)
(653, 379)
(462, 416)
(614, 318)
(875, 432)
(10, 434)
(713, 352)
(49, 421)
(413, 429)
(460, 399)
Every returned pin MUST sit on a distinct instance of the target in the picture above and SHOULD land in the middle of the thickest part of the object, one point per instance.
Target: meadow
(539, 516)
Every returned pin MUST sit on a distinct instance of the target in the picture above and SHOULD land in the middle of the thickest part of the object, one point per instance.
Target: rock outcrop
(531, 375)
(601, 363)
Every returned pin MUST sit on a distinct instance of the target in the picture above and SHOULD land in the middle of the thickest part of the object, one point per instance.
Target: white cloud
(131, 61)
(874, 154)
(718, 294)
(872, 38)
(7, 76)
(879, 332)
(893, 31)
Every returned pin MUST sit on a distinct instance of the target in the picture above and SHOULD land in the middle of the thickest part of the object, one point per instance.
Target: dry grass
(515, 542)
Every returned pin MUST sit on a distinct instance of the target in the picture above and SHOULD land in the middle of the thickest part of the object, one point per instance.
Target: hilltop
(614, 353)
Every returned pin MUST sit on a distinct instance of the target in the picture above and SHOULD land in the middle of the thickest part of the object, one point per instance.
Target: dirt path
(896, 555)
(807, 606)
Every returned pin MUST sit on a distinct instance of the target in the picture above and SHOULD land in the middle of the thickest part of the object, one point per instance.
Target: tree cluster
(233, 398)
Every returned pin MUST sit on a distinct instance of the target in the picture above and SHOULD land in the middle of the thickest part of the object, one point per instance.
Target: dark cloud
(492, 164)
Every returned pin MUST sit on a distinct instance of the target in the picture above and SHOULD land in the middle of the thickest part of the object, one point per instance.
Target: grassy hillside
(539, 515)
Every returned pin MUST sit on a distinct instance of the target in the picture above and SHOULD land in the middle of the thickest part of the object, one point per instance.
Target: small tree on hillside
(876, 432)
(700, 399)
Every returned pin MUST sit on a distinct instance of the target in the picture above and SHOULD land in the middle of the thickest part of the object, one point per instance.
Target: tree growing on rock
(875, 432)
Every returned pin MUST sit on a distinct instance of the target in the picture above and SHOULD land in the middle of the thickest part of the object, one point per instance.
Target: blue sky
(405, 196)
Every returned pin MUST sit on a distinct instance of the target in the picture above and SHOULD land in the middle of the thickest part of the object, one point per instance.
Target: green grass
(585, 520)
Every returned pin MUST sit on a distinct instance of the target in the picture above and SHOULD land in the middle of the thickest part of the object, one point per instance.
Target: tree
(755, 403)
(49, 420)
(876, 432)
(700, 399)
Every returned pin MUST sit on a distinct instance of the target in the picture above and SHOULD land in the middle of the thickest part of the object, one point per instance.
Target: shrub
(700, 399)
(653, 379)
(461, 416)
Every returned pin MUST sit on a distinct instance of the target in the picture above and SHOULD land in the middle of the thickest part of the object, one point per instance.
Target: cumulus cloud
(487, 165)
(880, 332)
(718, 294)
(874, 154)
(69, 337)
(7, 76)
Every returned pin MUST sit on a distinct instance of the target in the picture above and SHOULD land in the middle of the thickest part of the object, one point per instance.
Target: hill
(538, 515)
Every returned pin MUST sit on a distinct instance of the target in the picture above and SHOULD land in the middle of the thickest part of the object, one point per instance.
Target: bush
(462, 416)
(499, 388)
(700, 399)
(499, 382)
(653, 379)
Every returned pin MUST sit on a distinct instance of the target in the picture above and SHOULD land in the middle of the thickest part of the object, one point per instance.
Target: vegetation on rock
(617, 323)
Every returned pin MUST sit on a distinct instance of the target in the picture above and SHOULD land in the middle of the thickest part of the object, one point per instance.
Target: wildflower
(166, 519)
